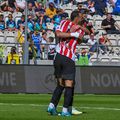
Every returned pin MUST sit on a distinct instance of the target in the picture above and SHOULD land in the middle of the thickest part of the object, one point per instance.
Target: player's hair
(74, 14)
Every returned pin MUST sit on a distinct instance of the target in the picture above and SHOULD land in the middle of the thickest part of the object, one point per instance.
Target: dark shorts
(64, 67)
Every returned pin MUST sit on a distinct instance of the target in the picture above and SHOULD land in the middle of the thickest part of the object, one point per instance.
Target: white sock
(65, 110)
(51, 105)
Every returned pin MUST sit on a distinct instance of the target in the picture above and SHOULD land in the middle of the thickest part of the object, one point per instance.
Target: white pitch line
(39, 105)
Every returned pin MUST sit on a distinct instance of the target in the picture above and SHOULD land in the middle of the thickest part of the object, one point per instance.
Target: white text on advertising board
(8, 79)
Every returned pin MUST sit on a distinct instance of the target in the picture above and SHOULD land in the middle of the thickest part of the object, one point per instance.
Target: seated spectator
(100, 7)
(6, 7)
(32, 52)
(39, 8)
(109, 24)
(37, 25)
(44, 46)
(10, 25)
(21, 21)
(44, 41)
(92, 42)
(83, 57)
(12, 5)
(13, 57)
(30, 24)
(20, 5)
(51, 10)
(36, 38)
(105, 44)
(2, 23)
(90, 6)
(3, 4)
(51, 48)
(43, 2)
(31, 10)
(33, 2)
(57, 18)
(40, 20)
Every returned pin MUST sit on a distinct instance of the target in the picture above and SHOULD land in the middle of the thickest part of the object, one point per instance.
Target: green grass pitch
(34, 106)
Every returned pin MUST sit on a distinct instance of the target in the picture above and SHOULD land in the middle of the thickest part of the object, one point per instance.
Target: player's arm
(60, 34)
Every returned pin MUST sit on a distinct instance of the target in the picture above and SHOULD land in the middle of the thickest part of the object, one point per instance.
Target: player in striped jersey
(68, 35)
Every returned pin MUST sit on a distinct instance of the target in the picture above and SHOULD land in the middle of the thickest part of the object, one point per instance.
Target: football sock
(67, 97)
(57, 94)
(71, 103)
(51, 105)
(65, 110)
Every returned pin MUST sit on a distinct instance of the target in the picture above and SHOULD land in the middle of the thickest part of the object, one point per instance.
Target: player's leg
(60, 86)
(68, 97)
(68, 75)
(57, 92)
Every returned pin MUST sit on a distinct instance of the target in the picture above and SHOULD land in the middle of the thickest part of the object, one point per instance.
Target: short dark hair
(74, 14)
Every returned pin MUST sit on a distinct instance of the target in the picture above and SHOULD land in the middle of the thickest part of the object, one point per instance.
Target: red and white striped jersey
(67, 46)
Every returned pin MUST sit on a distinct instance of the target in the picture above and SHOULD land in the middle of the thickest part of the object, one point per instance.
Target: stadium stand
(42, 23)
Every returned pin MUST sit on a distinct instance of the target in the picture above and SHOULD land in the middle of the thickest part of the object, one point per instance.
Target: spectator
(44, 46)
(44, 41)
(100, 7)
(51, 10)
(31, 10)
(13, 57)
(21, 21)
(32, 52)
(30, 24)
(90, 6)
(105, 44)
(51, 48)
(2, 23)
(3, 4)
(109, 24)
(43, 2)
(33, 2)
(20, 5)
(40, 20)
(37, 25)
(39, 8)
(36, 38)
(83, 57)
(10, 23)
(11, 4)
(57, 18)
(92, 42)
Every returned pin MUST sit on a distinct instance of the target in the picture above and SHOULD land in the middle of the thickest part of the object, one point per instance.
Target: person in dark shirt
(100, 7)
(21, 21)
(33, 2)
(11, 3)
(109, 24)
(10, 23)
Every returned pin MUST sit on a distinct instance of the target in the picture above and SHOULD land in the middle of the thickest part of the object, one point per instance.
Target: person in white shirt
(92, 42)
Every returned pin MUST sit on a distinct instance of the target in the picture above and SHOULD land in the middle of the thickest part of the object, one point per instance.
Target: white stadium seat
(2, 37)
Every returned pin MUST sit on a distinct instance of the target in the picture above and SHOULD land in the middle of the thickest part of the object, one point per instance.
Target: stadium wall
(40, 79)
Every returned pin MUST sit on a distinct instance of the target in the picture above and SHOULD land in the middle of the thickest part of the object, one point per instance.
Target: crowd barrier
(40, 79)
